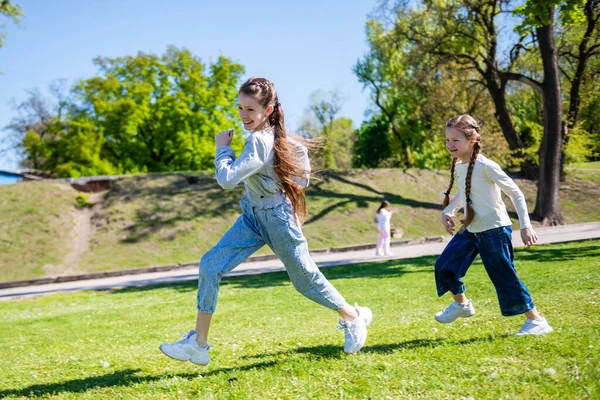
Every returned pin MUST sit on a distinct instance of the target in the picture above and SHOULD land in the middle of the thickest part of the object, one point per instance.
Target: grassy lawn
(269, 342)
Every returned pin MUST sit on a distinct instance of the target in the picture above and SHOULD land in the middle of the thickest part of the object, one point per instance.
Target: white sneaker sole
(187, 357)
(542, 332)
(449, 322)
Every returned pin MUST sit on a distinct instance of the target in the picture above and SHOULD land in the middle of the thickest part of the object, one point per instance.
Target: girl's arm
(231, 171)
(510, 188)
(455, 204)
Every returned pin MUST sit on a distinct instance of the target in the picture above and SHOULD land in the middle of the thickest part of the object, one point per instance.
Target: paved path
(555, 234)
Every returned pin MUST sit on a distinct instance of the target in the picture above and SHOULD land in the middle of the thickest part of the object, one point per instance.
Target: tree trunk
(498, 94)
(547, 207)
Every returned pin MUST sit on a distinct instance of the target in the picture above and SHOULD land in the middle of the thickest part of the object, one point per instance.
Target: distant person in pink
(383, 218)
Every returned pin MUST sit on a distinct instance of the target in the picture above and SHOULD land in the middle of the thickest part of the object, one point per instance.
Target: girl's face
(253, 115)
(458, 145)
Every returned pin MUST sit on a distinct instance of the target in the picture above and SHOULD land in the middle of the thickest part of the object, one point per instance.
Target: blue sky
(302, 46)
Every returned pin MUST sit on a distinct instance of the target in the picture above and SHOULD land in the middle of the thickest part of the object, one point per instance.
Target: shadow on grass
(381, 269)
(128, 377)
(361, 201)
(331, 351)
(123, 378)
(541, 254)
(165, 200)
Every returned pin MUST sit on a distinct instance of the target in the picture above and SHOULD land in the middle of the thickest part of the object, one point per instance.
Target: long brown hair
(471, 129)
(285, 160)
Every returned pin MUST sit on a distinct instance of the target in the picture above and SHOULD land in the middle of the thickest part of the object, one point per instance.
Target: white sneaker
(187, 349)
(535, 327)
(355, 332)
(389, 253)
(455, 311)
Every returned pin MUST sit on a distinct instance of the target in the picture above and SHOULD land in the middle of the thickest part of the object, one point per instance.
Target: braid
(447, 192)
(469, 213)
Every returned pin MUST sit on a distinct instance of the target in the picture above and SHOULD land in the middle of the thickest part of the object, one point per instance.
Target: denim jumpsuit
(267, 218)
(488, 235)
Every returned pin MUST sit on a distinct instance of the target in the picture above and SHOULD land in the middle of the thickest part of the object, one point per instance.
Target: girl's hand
(224, 138)
(528, 236)
(448, 223)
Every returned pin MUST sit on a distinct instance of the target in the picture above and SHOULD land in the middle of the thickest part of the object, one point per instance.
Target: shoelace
(451, 306)
(347, 331)
(185, 336)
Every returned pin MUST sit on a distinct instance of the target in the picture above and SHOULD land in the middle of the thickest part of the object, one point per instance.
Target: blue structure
(7, 177)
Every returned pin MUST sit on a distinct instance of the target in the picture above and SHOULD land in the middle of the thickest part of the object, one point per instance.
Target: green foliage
(373, 144)
(142, 113)
(81, 201)
(580, 147)
(338, 133)
(10, 10)
(537, 13)
(155, 113)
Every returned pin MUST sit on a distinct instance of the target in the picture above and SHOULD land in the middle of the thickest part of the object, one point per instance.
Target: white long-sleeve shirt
(383, 219)
(487, 181)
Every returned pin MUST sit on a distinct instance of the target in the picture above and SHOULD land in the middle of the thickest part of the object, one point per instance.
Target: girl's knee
(208, 268)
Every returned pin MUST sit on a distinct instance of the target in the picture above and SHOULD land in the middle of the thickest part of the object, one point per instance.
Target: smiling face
(253, 115)
(458, 145)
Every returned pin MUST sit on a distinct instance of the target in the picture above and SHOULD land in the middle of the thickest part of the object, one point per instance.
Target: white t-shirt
(383, 218)
(486, 182)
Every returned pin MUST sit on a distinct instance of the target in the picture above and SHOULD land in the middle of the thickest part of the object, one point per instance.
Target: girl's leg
(387, 242)
(452, 265)
(281, 231)
(238, 243)
(202, 327)
(498, 259)
(380, 242)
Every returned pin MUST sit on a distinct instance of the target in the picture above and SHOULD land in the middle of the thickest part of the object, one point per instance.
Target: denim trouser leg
(238, 243)
(278, 228)
(454, 262)
(283, 234)
(496, 251)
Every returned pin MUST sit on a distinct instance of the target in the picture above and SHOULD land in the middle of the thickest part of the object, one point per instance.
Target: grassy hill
(168, 218)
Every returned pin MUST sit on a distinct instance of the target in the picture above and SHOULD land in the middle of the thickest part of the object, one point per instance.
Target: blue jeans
(496, 251)
(277, 227)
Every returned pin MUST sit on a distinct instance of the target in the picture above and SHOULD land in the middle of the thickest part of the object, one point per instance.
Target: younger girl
(275, 170)
(383, 217)
(486, 230)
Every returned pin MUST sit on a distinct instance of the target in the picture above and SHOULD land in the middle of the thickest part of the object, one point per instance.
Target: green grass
(36, 223)
(168, 218)
(272, 343)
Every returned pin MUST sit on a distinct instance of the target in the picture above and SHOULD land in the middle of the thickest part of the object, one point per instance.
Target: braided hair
(285, 161)
(471, 129)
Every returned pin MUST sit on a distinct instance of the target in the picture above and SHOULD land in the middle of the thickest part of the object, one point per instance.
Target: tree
(141, 114)
(539, 18)
(463, 36)
(415, 89)
(160, 113)
(10, 10)
(373, 144)
(37, 125)
(320, 121)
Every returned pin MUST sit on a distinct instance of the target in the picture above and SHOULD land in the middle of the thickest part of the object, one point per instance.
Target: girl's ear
(269, 110)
